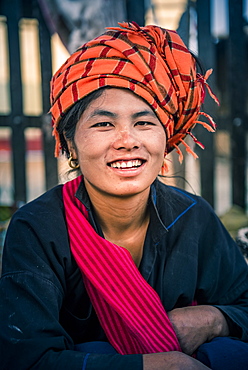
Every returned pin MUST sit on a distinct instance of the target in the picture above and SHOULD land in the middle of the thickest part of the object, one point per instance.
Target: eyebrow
(102, 112)
(144, 113)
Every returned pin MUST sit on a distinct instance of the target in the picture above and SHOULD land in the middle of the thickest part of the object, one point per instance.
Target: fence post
(13, 15)
(51, 171)
(136, 11)
(237, 61)
(207, 56)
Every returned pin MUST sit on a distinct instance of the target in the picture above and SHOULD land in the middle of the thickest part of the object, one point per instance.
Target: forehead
(118, 102)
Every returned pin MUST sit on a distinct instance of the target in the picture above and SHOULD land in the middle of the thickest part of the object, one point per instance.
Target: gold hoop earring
(73, 163)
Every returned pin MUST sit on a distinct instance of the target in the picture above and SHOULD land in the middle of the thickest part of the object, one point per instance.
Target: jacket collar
(171, 203)
(168, 204)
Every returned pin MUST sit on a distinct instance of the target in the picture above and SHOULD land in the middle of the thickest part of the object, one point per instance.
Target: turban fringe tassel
(57, 143)
(210, 127)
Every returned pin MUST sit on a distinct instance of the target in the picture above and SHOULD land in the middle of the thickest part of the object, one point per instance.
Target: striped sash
(128, 308)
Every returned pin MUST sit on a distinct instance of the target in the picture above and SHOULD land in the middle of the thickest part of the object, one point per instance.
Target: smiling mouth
(126, 164)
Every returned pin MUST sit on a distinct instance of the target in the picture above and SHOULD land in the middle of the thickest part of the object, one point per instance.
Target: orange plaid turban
(152, 62)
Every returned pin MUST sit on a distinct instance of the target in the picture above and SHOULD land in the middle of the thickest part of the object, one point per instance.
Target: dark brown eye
(102, 124)
(144, 123)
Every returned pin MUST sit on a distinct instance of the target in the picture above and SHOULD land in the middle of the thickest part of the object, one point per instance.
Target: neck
(119, 212)
(123, 220)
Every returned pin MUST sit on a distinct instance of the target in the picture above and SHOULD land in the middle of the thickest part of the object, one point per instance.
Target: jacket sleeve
(223, 275)
(32, 290)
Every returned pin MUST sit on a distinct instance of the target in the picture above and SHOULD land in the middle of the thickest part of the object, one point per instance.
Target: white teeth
(128, 164)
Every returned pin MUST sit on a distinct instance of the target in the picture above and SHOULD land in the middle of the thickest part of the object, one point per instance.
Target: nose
(126, 139)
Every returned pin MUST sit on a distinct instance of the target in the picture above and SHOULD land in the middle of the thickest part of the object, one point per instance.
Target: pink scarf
(128, 308)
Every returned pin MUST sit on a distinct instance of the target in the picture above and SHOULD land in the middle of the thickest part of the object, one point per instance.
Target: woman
(115, 270)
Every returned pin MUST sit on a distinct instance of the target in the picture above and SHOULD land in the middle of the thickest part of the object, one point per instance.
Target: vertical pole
(237, 59)
(179, 168)
(207, 56)
(136, 11)
(13, 15)
(51, 172)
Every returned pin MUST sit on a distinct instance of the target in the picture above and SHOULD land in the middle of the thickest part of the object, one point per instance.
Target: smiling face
(119, 143)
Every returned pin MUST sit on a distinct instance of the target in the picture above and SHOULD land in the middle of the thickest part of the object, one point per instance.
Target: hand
(171, 361)
(195, 325)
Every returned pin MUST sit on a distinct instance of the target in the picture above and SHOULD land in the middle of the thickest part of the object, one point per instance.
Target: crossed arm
(194, 326)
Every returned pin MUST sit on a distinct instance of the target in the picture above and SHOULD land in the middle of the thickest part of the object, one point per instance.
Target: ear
(72, 149)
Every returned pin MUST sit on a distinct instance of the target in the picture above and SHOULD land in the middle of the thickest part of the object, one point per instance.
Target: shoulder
(52, 197)
(38, 222)
(191, 216)
(45, 206)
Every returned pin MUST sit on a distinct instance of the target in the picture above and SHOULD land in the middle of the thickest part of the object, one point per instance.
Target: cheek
(89, 150)
(84, 143)
(159, 143)
(161, 147)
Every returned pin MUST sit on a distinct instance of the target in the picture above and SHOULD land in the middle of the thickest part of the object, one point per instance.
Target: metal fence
(227, 56)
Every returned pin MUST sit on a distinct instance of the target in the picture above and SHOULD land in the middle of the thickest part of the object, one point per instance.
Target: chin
(130, 190)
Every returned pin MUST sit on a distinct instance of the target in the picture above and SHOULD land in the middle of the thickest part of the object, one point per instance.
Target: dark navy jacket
(45, 310)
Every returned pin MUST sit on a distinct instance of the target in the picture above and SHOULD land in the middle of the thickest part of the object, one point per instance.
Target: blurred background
(36, 36)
